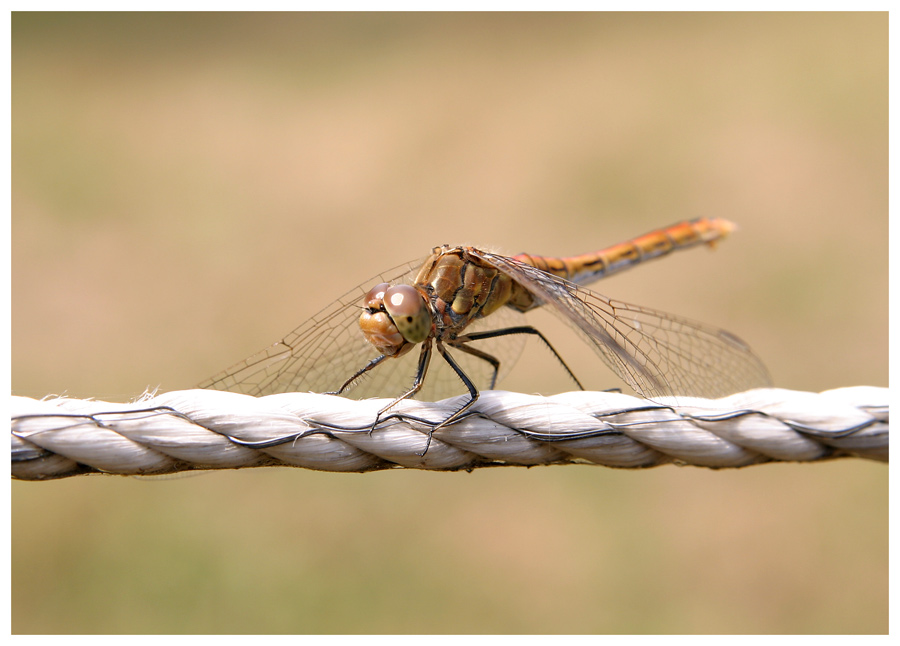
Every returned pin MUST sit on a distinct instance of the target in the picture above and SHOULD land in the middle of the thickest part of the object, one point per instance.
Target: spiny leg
(481, 354)
(473, 393)
(424, 358)
(359, 373)
(522, 329)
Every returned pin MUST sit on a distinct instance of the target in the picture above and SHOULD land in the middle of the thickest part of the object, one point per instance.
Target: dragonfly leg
(481, 354)
(424, 359)
(522, 329)
(359, 373)
(473, 391)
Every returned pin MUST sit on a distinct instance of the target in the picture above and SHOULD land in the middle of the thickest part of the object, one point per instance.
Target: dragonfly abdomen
(587, 268)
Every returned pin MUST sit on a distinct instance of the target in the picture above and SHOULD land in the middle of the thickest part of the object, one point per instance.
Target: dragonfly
(466, 305)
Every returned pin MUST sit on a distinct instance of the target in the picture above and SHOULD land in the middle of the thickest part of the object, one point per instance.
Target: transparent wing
(655, 353)
(329, 348)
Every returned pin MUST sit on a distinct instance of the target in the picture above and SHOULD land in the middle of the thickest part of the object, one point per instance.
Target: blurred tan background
(188, 188)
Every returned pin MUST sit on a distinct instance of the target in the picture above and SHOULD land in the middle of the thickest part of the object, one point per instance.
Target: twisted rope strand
(205, 429)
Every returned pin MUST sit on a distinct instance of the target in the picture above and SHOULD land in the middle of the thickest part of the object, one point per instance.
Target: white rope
(206, 429)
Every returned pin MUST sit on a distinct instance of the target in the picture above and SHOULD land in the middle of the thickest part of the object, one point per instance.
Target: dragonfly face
(395, 318)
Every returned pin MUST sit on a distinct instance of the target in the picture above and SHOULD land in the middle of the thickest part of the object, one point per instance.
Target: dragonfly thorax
(394, 318)
(462, 287)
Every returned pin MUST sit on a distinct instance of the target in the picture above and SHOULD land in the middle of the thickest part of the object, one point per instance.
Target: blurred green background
(188, 188)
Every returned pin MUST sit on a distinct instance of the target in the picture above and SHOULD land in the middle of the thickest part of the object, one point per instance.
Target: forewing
(655, 353)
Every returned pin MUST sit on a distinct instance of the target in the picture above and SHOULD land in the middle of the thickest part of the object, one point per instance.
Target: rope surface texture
(205, 429)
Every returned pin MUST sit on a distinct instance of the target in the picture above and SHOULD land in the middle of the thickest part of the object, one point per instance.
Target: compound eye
(374, 298)
(408, 310)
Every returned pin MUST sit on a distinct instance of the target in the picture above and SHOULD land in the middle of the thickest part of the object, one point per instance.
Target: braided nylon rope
(204, 429)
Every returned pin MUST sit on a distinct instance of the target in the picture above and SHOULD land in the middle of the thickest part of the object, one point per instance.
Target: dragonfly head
(394, 318)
